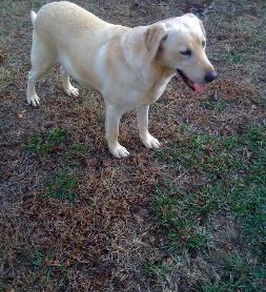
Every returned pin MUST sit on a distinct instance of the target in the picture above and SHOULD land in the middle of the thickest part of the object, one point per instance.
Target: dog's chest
(153, 92)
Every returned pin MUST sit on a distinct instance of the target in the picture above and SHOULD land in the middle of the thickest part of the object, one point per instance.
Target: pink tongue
(198, 87)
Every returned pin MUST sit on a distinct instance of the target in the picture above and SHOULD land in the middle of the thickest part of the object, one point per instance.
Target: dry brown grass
(100, 240)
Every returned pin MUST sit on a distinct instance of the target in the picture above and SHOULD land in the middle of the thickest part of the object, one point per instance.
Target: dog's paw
(150, 142)
(119, 151)
(33, 100)
(72, 91)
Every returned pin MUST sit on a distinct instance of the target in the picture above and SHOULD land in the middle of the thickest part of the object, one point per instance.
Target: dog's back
(61, 22)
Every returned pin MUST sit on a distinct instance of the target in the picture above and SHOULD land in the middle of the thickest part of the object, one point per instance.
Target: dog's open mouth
(194, 86)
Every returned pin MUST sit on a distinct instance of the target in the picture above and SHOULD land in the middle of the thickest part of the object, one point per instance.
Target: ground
(188, 217)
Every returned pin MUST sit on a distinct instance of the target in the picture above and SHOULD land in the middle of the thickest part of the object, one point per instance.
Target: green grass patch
(207, 155)
(42, 145)
(56, 136)
(75, 155)
(56, 141)
(158, 270)
(41, 260)
(62, 186)
(43, 266)
(234, 57)
(219, 105)
(76, 149)
(171, 208)
(233, 168)
(238, 275)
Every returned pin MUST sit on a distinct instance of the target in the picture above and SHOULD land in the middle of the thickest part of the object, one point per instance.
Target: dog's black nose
(210, 76)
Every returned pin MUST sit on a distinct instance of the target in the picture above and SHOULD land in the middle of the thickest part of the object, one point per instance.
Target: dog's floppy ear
(153, 38)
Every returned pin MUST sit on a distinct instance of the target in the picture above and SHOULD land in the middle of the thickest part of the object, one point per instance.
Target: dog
(131, 67)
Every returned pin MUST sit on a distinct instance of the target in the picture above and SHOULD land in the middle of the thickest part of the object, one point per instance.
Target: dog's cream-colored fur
(129, 66)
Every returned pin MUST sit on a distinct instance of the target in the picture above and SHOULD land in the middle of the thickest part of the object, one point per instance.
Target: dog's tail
(33, 16)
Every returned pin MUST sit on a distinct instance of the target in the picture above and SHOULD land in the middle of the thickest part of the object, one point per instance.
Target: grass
(51, 141)
(234, 57)
(240, 276)
(56, 142)
(41, 261)
(62, 186)
(159, 269)
(219, 105)
(75, 150)
(234, 172)
(182, 231)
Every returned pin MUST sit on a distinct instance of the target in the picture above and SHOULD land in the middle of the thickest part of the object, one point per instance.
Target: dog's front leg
(112, 121)
(143, 120)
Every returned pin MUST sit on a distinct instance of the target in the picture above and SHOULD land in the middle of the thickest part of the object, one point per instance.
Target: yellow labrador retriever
(129, 66)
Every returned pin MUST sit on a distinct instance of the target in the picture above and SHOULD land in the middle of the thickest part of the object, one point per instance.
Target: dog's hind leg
(68, 87)
(42, 59)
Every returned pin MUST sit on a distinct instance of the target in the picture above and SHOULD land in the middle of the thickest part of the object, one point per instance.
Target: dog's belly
(128, 97)
(82, 73)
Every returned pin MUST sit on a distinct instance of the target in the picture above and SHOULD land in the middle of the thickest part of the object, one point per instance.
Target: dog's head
(179, 44)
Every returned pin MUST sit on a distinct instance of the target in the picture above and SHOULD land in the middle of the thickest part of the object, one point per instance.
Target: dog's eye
(186, 53)
(203, 43)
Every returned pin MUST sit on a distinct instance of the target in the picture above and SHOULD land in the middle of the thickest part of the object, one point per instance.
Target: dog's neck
(149, 71)
(160, 70)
